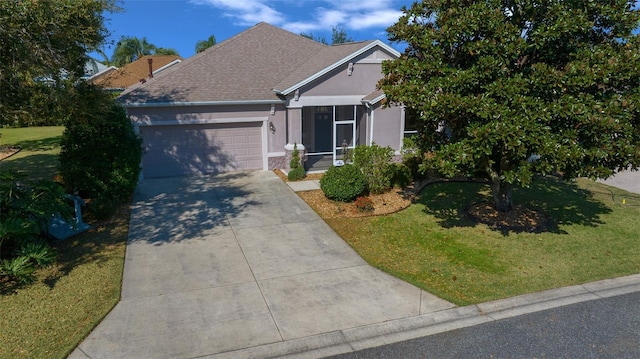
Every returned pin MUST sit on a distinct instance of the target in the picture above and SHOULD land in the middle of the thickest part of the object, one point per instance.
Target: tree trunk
(501, 191)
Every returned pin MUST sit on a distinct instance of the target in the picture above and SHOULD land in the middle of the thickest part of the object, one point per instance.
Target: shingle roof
(247, 67)
(132, 73)
(244, 67)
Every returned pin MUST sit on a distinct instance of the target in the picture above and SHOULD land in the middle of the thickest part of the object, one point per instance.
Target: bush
(364, 204)
(400, 175)
(296, 171)
(25, 210)
(411, 157)
(344, 183)
(18, 268)
(296, 174)
(374, 162)
(100, 152)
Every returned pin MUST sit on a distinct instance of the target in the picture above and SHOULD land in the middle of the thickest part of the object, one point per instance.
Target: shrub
(364, 204)
(400, 175)
(411, 157)
(38, 252)
(100, 152)
(374, 161)
(18, 268)
(296, 171)
(344, 183)
(25, 210)
(296, 174)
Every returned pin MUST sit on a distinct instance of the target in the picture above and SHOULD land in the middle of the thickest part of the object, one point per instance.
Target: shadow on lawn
(37, 166)
(44, 144)
(564, 203)
(103, 243)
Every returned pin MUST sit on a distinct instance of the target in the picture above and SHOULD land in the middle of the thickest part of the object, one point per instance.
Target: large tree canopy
(44, 46)
(497, 81)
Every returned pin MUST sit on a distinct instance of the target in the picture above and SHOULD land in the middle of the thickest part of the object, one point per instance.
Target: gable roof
(326, 61)
(258, 65)
(132, 73)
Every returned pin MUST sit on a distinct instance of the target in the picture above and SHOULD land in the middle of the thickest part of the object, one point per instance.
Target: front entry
(328, 132)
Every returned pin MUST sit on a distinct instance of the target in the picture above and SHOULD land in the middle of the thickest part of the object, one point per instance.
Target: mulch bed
(386, 203)
(520, 218)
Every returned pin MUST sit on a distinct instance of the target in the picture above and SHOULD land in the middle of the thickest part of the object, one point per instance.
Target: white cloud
(321, 14)
(383, 18)
(249, 12)
(330, 18)
(300, 27)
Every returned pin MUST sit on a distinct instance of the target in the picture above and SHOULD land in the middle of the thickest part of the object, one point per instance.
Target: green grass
(435, 246)
(50, 318)
(40, 148)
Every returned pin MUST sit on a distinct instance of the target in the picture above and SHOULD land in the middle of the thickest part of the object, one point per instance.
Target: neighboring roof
(132, 73)
(92, 67)
(101, 73)
(257, 65)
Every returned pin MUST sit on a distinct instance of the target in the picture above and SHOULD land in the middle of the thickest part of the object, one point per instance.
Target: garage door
(198, 149)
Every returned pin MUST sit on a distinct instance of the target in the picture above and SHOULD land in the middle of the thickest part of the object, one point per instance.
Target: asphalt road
(603, 328)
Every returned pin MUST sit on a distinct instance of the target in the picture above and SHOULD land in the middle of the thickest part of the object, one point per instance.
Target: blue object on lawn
(59, 228)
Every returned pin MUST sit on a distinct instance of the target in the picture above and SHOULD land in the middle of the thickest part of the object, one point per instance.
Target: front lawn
(49, 318)
(40, 147)
(434, 245)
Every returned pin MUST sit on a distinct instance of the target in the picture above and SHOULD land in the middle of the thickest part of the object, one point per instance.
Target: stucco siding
(387, 126)
(362, 81)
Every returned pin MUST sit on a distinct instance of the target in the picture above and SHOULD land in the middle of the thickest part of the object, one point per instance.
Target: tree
(131, 48)
(166, 51)
(205, 44)
(100, 151)
(44, 49)
(318, 38)
(509, 79)
(338, 36)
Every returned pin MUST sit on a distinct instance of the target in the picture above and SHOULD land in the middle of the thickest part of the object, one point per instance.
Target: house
(93, 68)
(245, 102)
(118, 79)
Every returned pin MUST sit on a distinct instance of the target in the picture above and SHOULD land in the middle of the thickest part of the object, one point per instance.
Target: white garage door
(198, 149)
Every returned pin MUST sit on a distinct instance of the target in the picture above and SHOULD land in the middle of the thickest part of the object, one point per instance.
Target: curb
(398, 330)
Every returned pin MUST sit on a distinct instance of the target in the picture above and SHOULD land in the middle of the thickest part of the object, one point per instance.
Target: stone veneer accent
(288, 151)
(277, 163)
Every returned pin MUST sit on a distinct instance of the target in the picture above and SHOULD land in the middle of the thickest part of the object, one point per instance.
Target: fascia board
(174, 62)
(201, 103)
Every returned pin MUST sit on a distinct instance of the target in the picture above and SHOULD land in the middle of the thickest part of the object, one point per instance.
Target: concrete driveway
(216, 264)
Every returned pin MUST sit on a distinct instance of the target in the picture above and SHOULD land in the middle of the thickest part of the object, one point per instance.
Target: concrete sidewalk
(238, 266)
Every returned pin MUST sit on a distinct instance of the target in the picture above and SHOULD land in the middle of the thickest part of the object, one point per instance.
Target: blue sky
(179, 24)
